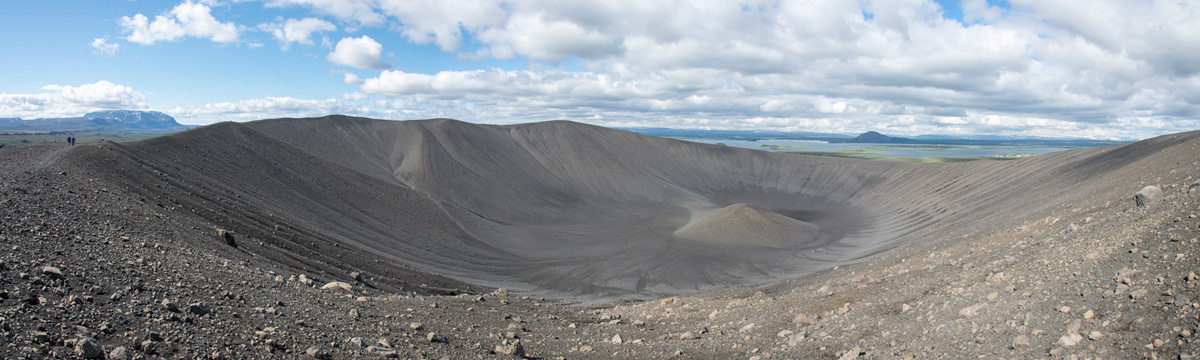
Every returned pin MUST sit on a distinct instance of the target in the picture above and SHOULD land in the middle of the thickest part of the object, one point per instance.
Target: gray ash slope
(1040, 257)
(564, 209)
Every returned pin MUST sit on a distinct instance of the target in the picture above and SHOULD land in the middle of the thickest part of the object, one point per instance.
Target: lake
(907, 151)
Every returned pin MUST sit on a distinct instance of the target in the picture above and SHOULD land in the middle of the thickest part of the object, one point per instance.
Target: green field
(81, 137)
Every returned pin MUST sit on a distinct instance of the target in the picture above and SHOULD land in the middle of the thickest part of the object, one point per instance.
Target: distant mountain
(872, 137)
(107, 120)
(733, 134)
(132, 119)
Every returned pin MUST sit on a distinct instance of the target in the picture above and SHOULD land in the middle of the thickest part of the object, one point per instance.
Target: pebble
(1089, 314)
(416, 326)
(1094, 335)
(971, 310)
(616, 339)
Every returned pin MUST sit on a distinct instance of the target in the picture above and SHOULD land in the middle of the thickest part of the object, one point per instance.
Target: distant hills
(734, 134)
(870, 137)
(876, 138)
(107, 120)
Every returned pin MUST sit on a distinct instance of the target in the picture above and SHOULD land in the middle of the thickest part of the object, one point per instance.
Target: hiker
(72, 141)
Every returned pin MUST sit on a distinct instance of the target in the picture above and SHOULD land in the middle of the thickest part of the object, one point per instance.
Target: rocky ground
(93, 270)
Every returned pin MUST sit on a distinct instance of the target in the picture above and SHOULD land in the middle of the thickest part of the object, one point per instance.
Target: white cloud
(67, 101)
(442, 22)
(102, 46)
(543, 39)
(361, 12)
(297, 31)
(262, 108)
(1071, 66)
(979, 11)
(362, 52)
(187, 19)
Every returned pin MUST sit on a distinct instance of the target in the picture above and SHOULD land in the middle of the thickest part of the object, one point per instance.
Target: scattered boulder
(434, 337)
(853, 353)
(120, 353)
(1020, 342)
(52, 272)
(1070, 340)
(199, 308)
(170, 305)
(383, 351)
(1147, 195)
(317, 352)
(89, 349)
(338, 285)
(1071, 228)
(514, 348)
(226, 236)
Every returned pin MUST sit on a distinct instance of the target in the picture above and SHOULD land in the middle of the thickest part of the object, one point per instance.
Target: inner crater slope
(560, 208)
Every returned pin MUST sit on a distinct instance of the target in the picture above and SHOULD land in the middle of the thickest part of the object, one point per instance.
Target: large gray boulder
(1147, 195)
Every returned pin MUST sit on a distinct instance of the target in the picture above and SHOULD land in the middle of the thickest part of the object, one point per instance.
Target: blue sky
(1114, 69)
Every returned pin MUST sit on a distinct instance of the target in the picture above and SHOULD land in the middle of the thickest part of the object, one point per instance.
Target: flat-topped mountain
(107, 120)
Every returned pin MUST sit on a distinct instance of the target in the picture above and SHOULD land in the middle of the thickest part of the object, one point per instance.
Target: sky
(1118, 69)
